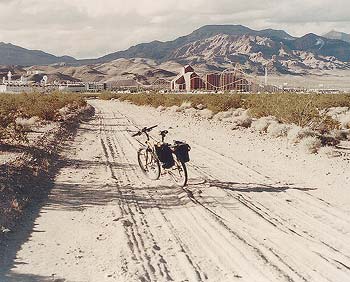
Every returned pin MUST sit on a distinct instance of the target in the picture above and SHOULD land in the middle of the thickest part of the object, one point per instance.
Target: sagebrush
(25, 106)
(300, 109)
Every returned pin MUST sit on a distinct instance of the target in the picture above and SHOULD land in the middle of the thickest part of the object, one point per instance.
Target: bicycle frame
(150, 146)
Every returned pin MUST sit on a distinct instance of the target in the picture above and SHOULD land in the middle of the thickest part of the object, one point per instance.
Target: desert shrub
(191, 112)
(261, 125)
(224, 115)
(161, 109)
(109, 96)
(339, 114)
(300, 109)
(215, 103)
(241, 119)
(238, 112)
(336, 111)
(345, 120)
(174, 109)
(206, 113)
(185, 105)
(297, 133)
(24, 107)
(276, 129)
(200, 107)
(341, 134)
(44, 106)
(311, 144)
(26, 123)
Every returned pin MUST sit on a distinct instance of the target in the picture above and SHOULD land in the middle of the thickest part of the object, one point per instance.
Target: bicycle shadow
(255, 187)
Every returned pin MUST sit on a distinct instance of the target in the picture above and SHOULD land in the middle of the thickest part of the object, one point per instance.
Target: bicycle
(158, 158)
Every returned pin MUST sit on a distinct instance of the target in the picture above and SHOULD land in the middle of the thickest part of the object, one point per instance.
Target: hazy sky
(92, 28)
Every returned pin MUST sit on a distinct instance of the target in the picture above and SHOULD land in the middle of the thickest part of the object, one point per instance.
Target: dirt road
(272, 218)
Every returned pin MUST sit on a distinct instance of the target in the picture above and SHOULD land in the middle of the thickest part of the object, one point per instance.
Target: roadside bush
(300, 109)
(200, 107)
(345, 121)
(261, 125)
(215, 103)
(26, 123)
(19, 111)
(185, 105)
(109, 96)
(241, 119)
(276, 129)
(298, 133)
(224, 115)
(305, 110)
(311, 144)
(206, 113)
(341, 134)
(161, 109)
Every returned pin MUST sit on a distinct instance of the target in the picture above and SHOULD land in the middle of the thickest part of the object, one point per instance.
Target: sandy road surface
(250, 213)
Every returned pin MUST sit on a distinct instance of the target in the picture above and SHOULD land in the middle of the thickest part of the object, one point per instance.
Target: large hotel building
(189, 80)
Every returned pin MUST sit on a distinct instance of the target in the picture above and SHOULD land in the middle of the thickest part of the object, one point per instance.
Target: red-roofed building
(187, 80)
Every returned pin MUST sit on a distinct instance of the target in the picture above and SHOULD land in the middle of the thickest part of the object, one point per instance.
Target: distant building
(35, 72)
(124, 83)
(21, 85)
(83, 87)
(13, 89)
(213, 81)
(228, 81)
(76, 87)
(187, 80)
(15, 86)
(95, 87)
(178, 84)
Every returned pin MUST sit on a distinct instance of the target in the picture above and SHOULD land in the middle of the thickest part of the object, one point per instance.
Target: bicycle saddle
(163, 133)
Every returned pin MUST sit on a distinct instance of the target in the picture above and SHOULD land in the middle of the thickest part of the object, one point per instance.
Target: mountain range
(209, 48)
(14, 55)
(338, 35)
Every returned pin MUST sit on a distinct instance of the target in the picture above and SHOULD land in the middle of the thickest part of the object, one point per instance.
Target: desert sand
(255, 209)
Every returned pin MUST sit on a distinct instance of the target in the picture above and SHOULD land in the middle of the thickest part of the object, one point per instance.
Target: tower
(9, 76)
(45, 78)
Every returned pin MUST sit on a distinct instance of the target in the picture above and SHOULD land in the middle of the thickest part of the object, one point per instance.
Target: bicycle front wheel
(148, 163)
(178, 173)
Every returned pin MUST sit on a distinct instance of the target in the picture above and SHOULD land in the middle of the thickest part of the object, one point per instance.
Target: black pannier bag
(164, 154)
(181, 150)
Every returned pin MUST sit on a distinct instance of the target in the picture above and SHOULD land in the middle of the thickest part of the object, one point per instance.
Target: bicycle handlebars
(145, 130)
(150, 128)
(136, 134)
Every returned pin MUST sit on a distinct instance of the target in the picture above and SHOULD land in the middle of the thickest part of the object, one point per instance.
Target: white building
(13, 89)
(77, 87)
(95, 87)
(34, 72)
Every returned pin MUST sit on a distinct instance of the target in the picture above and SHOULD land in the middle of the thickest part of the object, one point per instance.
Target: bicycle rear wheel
(148, 163)
(178, 173)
